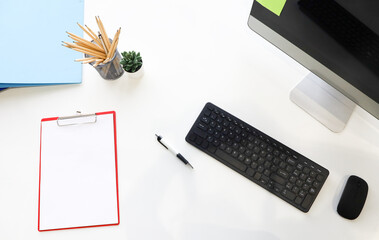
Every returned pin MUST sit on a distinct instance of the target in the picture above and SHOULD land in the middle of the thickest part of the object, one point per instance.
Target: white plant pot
(136, 75)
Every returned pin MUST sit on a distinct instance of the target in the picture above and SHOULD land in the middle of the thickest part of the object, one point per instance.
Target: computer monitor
(337, 40)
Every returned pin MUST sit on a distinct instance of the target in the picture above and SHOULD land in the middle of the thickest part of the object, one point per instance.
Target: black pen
(177, 154)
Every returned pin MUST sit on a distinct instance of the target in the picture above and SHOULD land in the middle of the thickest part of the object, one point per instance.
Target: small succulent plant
(131, 61)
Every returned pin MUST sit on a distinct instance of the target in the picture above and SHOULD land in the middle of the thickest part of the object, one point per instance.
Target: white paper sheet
(78, 175)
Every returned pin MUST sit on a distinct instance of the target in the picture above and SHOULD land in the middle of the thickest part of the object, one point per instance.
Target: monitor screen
(341, 35)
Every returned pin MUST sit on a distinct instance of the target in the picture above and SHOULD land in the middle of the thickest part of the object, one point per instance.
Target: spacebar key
(230, 160)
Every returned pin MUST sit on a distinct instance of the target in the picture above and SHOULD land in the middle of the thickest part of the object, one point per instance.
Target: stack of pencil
(100, 50)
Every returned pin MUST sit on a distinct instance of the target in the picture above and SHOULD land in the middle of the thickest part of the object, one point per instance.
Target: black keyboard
(260, 158)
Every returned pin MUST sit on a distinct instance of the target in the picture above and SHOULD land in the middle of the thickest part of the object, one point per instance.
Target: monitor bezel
(314, 66)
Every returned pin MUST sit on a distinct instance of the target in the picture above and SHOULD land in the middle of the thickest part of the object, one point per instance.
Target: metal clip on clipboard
(77, 119)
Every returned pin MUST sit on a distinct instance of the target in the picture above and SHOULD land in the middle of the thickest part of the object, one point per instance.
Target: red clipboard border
(39, 184)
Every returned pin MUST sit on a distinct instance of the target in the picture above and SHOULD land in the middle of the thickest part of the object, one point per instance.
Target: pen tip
(190, 165)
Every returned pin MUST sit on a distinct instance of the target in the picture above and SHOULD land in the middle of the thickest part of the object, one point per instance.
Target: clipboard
(78, 182)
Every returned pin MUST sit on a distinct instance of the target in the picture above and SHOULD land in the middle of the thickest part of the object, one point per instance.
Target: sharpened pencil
(85, 59)
(103, 32)
(114, 43)
(98, 51)
(94, 38)
(84, 41)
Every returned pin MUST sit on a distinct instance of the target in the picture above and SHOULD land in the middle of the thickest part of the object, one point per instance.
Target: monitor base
(323, 102)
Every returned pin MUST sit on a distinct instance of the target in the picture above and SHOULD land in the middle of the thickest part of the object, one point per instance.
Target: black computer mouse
(353, 198)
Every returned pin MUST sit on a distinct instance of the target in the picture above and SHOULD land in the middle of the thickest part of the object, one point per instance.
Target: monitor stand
(323, 102)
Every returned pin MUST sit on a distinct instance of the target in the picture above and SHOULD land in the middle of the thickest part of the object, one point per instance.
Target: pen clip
(159, 140)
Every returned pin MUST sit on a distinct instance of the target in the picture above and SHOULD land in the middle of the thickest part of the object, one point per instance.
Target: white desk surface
(194, 52)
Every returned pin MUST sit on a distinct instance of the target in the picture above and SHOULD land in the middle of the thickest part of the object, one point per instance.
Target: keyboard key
(302, 193)
(234, 162)
(234, 153)
(256, 149)
(212, 148)
(257, 176)
(228, 150)
(274, 168)
(263, 153)
(309, 180)
(241, 149)
(278, 179)
(250, 172)
(260, 161)
(277, 188)
(192, 137)
(292, 179)
(248, 153)
(200, 133)
(202, 126)
(288, 194)
(205, 144)
(299, 166)
(254, 165)
(267, 165)
(320, 177)
(210, 107)
(264, 179)
(282, 165)
(282, 173)
(307, 201)
(205, 120)
(291, 161)
(303, 176)
(276, 152)
(216, 142)
(296, 173)
(299, 183)
(298, 200)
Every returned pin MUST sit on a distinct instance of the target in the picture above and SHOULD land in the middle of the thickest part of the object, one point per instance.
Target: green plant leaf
(131, 61)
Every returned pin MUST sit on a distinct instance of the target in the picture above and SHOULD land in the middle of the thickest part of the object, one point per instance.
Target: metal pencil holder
(111, 70)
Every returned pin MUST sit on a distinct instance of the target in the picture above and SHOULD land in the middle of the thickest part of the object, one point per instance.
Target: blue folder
(31, 42)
